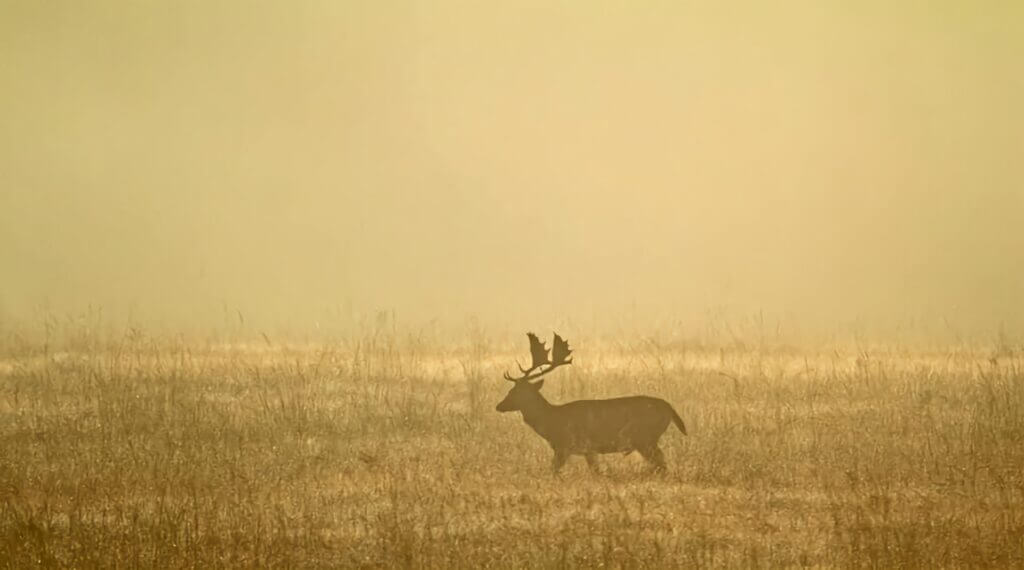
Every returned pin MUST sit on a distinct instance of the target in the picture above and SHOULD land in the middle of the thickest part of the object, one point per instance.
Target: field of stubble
(384, 450)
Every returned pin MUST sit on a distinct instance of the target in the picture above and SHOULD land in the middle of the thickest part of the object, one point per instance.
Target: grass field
(385, 450)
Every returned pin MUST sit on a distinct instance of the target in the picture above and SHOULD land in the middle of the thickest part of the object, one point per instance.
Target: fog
(520, 163)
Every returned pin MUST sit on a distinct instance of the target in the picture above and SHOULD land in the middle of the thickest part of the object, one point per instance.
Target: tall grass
(383, 449)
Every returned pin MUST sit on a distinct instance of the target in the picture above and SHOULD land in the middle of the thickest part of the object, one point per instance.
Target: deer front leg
(592, 463)
(559, 460)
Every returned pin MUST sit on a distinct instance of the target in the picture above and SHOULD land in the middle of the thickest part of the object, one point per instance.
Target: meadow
(382, 449)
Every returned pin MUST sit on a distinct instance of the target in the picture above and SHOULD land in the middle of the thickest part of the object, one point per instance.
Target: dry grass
(385, 451)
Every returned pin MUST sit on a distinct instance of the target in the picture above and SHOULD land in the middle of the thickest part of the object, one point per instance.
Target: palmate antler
(539, 353)
(560, 356)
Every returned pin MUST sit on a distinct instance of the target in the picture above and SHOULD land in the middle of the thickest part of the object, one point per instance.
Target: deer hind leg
(592, 463)
(558, 461)
(655, 457)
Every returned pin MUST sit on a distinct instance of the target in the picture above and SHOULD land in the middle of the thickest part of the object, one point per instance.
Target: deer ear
(538, 384)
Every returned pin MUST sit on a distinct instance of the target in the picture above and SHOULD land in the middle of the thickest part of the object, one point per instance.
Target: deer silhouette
(587, 427)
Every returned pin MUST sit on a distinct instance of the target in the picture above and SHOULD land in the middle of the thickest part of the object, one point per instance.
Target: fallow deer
(587, 427)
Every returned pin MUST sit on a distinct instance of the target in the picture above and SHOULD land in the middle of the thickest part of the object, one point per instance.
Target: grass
(385, 450)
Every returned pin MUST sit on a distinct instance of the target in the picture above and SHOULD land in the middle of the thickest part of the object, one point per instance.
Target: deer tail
(677, 420)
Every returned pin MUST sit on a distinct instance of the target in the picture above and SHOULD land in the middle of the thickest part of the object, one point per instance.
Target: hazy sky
(520, 161)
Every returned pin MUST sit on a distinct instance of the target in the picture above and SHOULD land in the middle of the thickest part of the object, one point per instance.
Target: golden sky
(524, 162)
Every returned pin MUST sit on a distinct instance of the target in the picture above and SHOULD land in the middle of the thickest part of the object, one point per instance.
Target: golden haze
(819, 162)
(754, 211)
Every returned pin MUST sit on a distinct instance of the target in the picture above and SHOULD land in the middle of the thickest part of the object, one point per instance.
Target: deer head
(544, 360)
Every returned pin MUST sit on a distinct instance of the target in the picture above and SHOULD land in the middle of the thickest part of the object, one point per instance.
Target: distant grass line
(383, 450)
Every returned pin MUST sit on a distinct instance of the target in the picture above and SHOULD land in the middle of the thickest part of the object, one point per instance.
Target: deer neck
(537, 415)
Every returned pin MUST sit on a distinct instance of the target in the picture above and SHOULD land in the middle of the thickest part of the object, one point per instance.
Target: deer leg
(559, 460)
(592, 463)
(655, 457)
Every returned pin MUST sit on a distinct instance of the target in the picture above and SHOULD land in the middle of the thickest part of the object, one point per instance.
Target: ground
(384, 449)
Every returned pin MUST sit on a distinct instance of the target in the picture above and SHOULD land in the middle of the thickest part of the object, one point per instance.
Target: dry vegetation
(384, 449)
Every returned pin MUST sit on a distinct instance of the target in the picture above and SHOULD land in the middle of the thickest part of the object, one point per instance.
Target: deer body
(591, 427)
(618, 425)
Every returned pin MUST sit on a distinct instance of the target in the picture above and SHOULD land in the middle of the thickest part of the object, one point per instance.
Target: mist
(520, 164)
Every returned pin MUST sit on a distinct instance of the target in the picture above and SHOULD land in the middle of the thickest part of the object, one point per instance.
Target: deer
(587, 427)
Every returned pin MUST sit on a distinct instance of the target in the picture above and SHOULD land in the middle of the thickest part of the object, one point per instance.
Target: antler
(560, 356)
